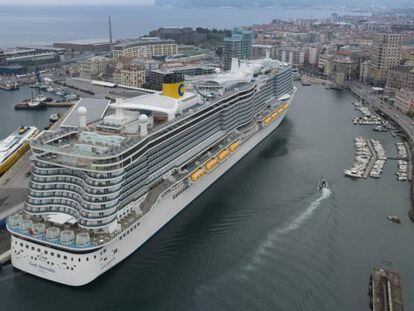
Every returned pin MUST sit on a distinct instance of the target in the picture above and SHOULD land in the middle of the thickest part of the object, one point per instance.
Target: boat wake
(260, 255)
(271, 238)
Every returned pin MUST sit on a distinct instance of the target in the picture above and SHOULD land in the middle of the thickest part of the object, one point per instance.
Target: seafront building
(260, 50)
(84, 45)
(404, 100)
(313, 54)
(385, 54)
(400, 76)
(291, 54)
(239, 45)
(97, 67)
(145, 48)
(130, 75)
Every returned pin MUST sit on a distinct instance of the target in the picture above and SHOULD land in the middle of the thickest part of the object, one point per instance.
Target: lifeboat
(197, 174)
(223, 154)
(267, 120)
(212, 163)
(233, 146)
(275, 114)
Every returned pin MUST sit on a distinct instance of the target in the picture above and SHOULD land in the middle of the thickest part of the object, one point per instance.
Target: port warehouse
(86, 45)
(25, 59)
(144, 165)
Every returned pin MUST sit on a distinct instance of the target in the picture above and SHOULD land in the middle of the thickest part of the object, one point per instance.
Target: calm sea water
(262, 237)
(11, 119)
(33, 25)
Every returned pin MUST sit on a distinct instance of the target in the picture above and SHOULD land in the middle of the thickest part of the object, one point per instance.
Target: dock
(385, 290)
(371, 161)
(63, 104)
(410, 166)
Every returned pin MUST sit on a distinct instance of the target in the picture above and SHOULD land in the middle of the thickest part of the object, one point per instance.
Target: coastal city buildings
(385, 54)
(239, 45)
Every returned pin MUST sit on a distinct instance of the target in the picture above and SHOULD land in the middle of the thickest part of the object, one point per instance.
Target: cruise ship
(14, 146)
(99, 190)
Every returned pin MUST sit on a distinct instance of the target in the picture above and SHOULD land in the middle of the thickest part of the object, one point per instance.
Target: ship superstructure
(100, 190)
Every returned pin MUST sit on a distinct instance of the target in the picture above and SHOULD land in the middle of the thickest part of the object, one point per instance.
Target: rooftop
(131, 43)
(95, 107)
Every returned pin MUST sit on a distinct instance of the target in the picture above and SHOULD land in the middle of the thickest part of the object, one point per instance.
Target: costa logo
(181, 89)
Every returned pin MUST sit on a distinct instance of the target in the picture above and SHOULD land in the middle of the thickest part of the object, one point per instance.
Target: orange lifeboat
(212, 163)
(267, 120)
(197, 174)
(223, 154)
(233, 146)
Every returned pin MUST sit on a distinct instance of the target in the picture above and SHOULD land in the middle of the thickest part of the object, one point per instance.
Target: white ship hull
(76, 270)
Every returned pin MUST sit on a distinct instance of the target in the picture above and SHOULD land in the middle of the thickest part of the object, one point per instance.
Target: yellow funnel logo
(181, 89)
(174, 90)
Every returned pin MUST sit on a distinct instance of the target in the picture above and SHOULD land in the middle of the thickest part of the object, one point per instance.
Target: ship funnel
(82, 116)
(173, 85)
(234, 66)
(143, 124)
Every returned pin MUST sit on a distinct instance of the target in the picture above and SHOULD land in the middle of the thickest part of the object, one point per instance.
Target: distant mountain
(284, 3)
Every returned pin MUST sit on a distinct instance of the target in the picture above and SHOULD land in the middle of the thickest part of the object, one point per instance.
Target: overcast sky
(71, 2)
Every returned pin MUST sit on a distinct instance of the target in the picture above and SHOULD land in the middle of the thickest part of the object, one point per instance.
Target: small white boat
(353, 173)
(54, 117)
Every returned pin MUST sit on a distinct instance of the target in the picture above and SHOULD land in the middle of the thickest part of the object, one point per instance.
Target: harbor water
(262, 237)
(11, 119)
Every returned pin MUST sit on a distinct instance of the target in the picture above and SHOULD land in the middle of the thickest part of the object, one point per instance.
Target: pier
(63, 104)
(371, 161)
(385, 290)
